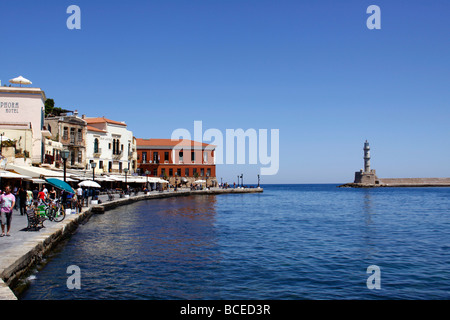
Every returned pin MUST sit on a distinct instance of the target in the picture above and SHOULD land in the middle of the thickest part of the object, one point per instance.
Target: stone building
(180, 161)
(70, 131)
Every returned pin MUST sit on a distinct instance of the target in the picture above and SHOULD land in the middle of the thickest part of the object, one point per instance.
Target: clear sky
(311, 69)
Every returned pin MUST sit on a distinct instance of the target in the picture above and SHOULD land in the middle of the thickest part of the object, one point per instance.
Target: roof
(103, 120)
(91, 128)
(24, 90)
(170, 143)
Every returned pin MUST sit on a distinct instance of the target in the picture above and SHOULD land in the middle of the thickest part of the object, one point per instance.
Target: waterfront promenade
(23, 249)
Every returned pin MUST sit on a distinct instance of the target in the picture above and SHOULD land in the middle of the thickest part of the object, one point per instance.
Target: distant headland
(367, 178)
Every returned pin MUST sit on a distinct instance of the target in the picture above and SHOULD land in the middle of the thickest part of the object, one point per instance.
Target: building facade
(110, 145)
(179, 161)
(70, 131)
(22, 112)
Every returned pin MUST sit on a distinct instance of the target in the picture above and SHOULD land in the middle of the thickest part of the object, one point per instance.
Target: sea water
(289, 242)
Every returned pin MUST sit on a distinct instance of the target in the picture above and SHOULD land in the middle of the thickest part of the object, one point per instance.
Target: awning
(12, 175)
(36, 180)
(34, 172)
(67, 179)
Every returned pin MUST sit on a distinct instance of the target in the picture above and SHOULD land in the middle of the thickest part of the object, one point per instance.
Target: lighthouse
(366, 157)
(366, 176)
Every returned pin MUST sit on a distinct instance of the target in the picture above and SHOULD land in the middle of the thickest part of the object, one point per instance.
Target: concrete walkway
(23, 248)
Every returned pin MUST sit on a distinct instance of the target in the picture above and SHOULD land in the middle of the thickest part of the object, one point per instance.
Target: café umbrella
(20, 80)
(60, 184)
(89, 184)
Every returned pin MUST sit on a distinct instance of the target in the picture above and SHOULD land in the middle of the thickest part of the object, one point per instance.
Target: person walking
(22, 201)
(7, 202)
(52, 194)
(36, 196)
(80, 196)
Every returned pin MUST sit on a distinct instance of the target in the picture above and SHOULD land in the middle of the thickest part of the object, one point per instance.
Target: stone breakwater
(403, 182)
(27, 248)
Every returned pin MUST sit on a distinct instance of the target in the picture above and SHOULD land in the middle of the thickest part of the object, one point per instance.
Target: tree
(49, 105)
(51, 110)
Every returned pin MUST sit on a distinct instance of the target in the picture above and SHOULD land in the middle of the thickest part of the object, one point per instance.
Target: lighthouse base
(369, 178)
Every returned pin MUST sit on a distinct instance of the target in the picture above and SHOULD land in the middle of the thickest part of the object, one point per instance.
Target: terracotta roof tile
(103, 120)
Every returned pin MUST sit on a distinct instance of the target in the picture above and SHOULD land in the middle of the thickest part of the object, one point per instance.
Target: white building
(110, 145)
(21, 111)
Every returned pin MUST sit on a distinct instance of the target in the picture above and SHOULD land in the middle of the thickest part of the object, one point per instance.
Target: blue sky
(311, 69)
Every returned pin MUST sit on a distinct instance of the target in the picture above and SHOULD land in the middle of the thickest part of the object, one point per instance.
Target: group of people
(21, 198)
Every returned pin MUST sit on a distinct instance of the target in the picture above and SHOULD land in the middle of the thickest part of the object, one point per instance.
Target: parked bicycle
(52, 210)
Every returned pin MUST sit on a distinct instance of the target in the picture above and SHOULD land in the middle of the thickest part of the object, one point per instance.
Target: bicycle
(53, 211)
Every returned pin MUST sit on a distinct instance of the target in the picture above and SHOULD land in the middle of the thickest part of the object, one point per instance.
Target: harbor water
(289, 242)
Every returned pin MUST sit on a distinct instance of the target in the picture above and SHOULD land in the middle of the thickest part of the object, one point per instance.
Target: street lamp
(126, 171)
(242, 180)
(65, 156)
(238, 181)
(93, 165)
(258, 180)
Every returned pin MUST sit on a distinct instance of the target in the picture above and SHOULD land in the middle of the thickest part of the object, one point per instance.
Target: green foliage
(51, 110)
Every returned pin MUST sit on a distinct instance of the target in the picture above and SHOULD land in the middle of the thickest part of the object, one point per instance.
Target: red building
(179, 161)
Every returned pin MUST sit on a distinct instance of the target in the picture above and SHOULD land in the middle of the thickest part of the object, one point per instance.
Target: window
(66, 133)
(202, 172)
(155, 172)
(166, 156)
(194, 171)
(100, 164)
(120, 166)
(80, 157)
(208, 172)
(205, 157)
(192, 156)
(180, 155)
(170, 172)
(186, 172)
(95, 145)
(155, 157)
(163, 172)
(109, 146)
(179, 172)
(144, 157)
(72, 135)
(80, 135)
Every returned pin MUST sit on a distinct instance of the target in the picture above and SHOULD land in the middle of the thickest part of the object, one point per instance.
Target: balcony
(117, 156)
(97, 153)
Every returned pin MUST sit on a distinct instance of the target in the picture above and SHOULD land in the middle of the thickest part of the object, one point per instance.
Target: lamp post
(258, 180)
(65, 156)
(242, 180)
(126, 171)
(1, 143)
(207, 176)
(146, 174)
(93, 165)
(238, 181)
